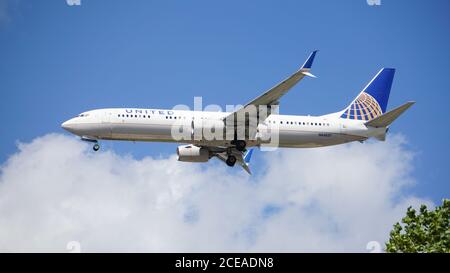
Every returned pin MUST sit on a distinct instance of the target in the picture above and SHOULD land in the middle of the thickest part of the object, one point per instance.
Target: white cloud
(55, 190)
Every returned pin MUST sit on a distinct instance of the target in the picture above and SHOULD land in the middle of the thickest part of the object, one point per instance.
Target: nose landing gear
(96, 146)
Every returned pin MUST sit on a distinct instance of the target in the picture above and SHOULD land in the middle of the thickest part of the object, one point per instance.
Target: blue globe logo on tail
(372, 101)
(365, 107)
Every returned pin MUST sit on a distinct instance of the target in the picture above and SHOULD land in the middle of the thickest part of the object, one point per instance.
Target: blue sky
(58, 60)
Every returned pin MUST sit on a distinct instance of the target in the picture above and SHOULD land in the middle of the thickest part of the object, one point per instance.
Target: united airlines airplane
(227, 135)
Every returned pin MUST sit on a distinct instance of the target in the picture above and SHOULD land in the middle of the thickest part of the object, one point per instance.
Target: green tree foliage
(427, 231)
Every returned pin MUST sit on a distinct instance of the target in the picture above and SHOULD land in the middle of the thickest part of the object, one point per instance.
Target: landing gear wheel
(96, 147)
(240, 145)
(231, 160)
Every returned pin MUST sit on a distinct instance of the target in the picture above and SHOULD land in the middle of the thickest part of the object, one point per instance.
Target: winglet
(310, 60)
(248, 156)
(246, 163)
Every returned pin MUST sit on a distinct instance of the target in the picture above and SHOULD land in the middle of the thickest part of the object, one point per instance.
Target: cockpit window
(83, 115)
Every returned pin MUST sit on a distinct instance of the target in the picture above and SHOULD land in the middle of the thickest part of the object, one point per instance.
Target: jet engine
(192, 153)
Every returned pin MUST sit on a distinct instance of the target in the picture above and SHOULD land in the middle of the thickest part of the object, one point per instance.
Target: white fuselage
(157, 125)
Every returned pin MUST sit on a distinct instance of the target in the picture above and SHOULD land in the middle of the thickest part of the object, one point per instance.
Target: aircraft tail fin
(372, 101)
(387, 118)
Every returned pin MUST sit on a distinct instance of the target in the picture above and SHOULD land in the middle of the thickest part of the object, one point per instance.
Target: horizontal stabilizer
(387, 118)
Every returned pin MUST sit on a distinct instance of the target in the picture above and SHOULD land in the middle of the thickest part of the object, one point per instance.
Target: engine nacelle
(192, 153)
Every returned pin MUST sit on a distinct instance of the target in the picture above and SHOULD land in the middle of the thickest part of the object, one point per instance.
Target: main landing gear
(231, 160)
(240, 145)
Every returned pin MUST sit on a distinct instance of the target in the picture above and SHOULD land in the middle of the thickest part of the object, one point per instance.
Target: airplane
(365, 117)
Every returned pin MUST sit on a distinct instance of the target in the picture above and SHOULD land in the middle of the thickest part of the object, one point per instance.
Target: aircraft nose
(65, 125)
(68, 125)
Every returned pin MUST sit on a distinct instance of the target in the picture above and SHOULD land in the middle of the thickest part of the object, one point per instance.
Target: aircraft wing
(272, 96)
